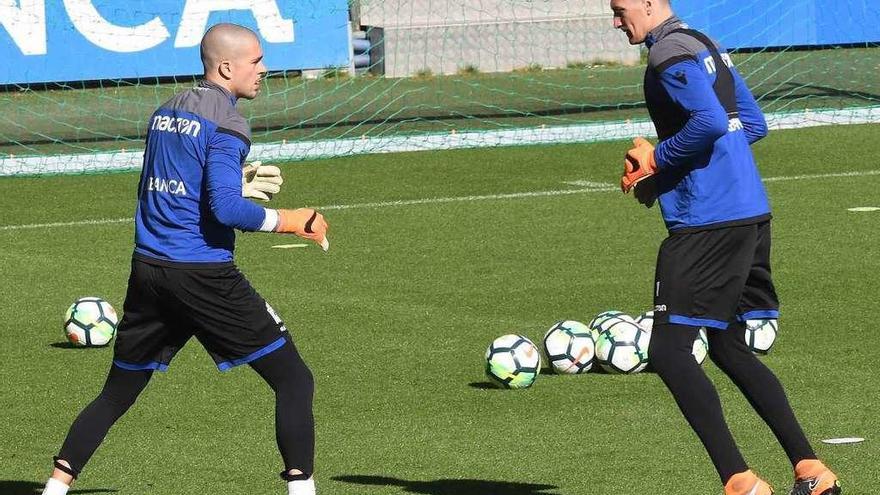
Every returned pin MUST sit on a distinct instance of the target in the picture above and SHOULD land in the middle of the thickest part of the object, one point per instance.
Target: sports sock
(301, 487)
(761, 388)
(55, 487)
(670, 355)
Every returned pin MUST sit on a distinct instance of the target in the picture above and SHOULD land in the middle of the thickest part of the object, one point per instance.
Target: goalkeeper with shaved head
(713, 270)
(183, 282)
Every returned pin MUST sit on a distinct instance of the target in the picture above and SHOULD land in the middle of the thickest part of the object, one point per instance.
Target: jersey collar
(204, 83)
(663, 29)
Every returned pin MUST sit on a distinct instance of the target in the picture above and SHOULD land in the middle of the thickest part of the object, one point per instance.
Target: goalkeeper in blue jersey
(713, 270)
(183, 281)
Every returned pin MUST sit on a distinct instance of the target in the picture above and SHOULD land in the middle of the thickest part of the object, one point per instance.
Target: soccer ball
(701, 343)
(513, 361)
(622, 346)
(569, 347)
(701, 346)
(596, 323)
(760, 335)
(90, 322)
(645, 320)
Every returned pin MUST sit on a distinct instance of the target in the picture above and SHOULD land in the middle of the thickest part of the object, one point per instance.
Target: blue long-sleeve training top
(189, 196)
(706, 118)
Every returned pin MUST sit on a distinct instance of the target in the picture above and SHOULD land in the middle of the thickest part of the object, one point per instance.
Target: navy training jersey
(706, 119)
(189, 196)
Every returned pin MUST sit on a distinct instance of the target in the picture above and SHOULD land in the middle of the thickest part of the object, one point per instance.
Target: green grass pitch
(394, 321)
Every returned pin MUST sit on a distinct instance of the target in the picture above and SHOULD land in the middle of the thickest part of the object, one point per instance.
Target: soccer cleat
(813, 478)
(747, 483)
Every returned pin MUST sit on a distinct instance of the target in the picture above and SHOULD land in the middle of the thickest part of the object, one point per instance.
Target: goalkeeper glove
(638, 165)
(304, 222)
(260, 181)
(645, 191)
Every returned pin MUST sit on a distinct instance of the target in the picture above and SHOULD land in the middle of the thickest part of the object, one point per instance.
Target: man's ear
(225, 69)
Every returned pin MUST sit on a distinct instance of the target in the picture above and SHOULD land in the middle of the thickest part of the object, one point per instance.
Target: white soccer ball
(595, 324)
(761, 334)
(513, 361)
(569, 347)
(645, 320)
(701, 343)
(90, 322)
(622, 346)
(701, 346)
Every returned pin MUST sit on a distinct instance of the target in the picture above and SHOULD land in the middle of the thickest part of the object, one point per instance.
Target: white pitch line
(843, 441)
(289, 246)
(100, 221)
(454, 199)
(588, 183)
(823, 176)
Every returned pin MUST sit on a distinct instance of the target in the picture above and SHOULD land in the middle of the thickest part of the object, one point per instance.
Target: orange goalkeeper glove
(638, 165)
(306, 223)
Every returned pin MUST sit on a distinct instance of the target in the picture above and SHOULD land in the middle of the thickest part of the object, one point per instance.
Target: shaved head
(232, 57)
(224, 42)
(636, 18)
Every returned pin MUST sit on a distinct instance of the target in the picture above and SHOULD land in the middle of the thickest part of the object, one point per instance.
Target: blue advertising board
(781, 23)
(76, 40)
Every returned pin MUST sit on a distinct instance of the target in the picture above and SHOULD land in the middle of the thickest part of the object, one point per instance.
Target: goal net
(416, 74)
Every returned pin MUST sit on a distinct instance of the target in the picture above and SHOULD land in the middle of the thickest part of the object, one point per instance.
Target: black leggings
(283, 369)
(294, 386)
(91, 426)
(670, 355)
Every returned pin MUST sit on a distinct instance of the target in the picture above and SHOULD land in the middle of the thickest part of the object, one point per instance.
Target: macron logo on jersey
(172, 186)
(179, 125)
(709, 62)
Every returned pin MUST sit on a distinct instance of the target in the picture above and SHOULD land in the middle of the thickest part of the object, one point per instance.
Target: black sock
(670, 355)
(91, 426)
(762, 389)
(290, 378)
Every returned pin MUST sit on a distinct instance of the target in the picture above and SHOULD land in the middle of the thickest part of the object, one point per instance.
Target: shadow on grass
(68, 345)
(450, 486)
(548, 372)
(11, 487)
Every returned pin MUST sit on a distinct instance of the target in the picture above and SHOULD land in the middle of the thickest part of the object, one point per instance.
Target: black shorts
(715, 277)
(166, 304)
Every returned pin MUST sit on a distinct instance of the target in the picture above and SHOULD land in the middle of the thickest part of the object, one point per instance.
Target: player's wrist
(270, 222)
(659, 164)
